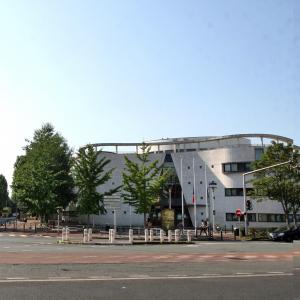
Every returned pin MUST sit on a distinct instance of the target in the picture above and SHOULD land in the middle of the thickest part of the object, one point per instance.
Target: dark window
(200, 167)
(168, 158)
(251, 217)
(237, 167)
(232, 192)
(280, 218)
(200, 182)
(189, 167)
(233, 217)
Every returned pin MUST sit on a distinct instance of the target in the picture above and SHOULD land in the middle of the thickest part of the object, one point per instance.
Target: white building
(202, 160)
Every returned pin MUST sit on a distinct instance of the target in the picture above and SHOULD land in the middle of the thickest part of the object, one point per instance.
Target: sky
(136, 70)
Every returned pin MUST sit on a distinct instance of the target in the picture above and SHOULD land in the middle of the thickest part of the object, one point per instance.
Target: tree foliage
(89, 174)
(280, 183)
(143, 182)
(42, 178)
(3, 192)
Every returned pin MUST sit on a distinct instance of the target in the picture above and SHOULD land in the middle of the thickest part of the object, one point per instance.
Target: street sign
(238, 212)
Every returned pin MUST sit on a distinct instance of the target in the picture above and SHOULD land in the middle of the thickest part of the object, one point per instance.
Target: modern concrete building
(211, 168)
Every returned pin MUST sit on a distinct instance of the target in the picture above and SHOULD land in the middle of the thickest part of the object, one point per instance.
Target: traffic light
(248, 205)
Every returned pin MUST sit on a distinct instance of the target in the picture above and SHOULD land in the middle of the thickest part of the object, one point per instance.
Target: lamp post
(213, 185)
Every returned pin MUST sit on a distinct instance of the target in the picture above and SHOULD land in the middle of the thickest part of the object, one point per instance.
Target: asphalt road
(206, 270)
(280, 287)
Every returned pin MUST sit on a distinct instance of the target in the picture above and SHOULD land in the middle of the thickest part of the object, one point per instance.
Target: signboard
(167, 218)
(112, 202)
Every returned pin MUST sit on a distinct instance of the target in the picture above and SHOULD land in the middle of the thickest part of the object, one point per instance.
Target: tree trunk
(88, 220)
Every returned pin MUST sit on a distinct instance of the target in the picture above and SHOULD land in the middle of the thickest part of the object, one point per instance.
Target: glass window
(234, 167)
(251, 217)
(258, 153)
(227, 168)
(227, 192)
(262, 218)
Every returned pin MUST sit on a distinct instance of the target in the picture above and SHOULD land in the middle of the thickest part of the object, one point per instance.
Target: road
(38, 268)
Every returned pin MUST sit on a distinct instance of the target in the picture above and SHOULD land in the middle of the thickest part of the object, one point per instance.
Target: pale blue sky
(106, 71)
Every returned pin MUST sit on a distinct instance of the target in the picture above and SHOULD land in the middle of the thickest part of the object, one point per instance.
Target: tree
(281, 183)
(3, 192)
(143, 182)
(42, 178)
(89, 174)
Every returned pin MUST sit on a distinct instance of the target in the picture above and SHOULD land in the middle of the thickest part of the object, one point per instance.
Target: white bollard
(169, 236)
(85, 235)
(177, 235)
(90, 234)
(161, 236)
(189, 235)
(112, 235)
(63, 234)
(67, 233)
(130, 234)
(146, 235)
(151, 235)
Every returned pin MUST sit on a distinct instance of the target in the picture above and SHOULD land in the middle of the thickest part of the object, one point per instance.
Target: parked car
(285, 233)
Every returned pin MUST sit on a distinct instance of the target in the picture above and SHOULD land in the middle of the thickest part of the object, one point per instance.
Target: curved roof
(189, 140)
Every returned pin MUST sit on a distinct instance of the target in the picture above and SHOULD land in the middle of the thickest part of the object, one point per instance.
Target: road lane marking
(275, 272)
(243, 273)
(143, 277)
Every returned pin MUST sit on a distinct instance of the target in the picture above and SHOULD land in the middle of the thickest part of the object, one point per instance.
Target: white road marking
(241, 273)
(17, 278)
(275, 272)
(143, 277)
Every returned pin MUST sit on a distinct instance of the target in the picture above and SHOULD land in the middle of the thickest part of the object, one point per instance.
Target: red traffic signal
(238, 212)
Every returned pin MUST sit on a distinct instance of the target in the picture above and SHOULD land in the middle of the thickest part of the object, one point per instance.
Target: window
(231, 217)
(251, 217)
(258, 153)
(231, 192)
(236, 167)
(279, 218)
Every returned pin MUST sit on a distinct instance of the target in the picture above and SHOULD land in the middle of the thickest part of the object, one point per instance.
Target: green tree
(42, 178)
(3, 192)
(89, 174)
(280, 183)
(143, 182)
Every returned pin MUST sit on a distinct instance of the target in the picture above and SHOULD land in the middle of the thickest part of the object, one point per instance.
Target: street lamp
(213, 185)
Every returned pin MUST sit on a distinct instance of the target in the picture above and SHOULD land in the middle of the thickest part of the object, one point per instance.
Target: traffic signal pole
(244, 188)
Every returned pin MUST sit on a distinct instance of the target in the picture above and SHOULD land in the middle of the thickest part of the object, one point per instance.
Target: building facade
(206, 180)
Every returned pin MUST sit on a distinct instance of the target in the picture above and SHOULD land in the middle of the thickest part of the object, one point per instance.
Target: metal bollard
(189, 235)
(151, 235)
(177, 235)
(161, 236)
(85, 235)
(169, 236)
(90, 234)
(130, 234)
(146, 235)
